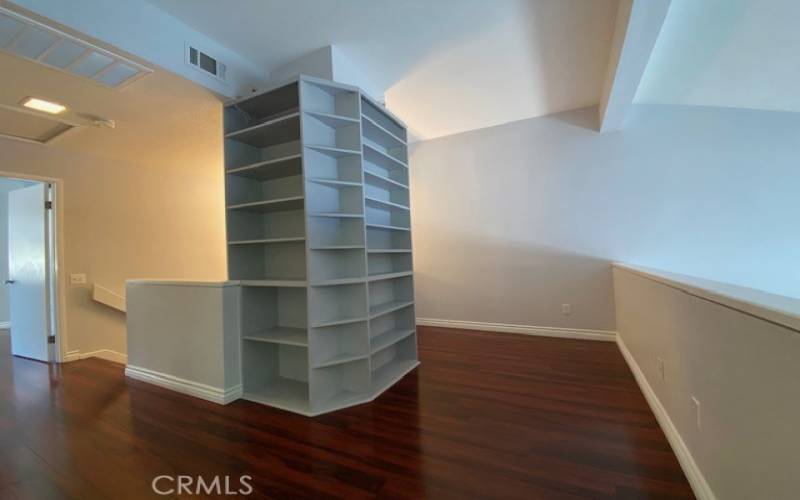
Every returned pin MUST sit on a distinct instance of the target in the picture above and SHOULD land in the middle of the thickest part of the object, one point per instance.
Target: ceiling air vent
(205, 63)
(37, 42)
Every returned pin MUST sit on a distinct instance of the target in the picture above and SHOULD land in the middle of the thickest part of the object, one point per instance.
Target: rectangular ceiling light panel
(25, 126)
(37, 42)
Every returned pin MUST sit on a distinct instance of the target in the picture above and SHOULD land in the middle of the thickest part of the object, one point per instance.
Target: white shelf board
(388, 307)
(338, 247)
(286, 166)
(389, 276)
(375, 155)
(276, 205)
(282, 393)
(341, 281)
(333, 121)
(379, 135)
(389, 250)
(333, 151)
(277, 283)
(386, 339)
(338, 215)
(334, 182)
(377, 203)
(280, 335)
(383, 182)
(341, 359)
(388, 228)
(267, 241)
(339, 321)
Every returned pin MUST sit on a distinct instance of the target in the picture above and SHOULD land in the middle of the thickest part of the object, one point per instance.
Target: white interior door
(27, 272)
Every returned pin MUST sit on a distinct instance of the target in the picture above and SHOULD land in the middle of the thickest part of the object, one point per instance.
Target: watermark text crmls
(198, 485)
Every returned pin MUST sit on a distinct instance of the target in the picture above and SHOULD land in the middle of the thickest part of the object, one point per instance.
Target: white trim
(541, 331)
(5, 325)
(107, 354)
(693, 473)
(777, 309)
(196, 389)
(157, 282)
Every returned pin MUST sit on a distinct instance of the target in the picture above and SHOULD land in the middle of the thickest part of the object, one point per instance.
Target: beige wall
(131, 219)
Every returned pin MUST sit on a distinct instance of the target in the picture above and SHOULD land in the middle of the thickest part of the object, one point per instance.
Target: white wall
(734, 53)
(510, 222)
(743, 371)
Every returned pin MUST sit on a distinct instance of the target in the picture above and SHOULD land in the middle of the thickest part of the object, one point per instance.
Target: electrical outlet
(566, 309)
(661, 369)
(696, 410)
(77, 279)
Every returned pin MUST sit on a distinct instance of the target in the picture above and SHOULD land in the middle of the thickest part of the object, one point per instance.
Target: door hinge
(48, 205)
(51, 339)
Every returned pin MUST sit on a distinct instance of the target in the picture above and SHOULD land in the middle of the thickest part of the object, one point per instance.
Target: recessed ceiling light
(41, 105)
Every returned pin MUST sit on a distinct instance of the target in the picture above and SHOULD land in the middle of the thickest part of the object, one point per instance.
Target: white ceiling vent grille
(205, 63)
(40, 43)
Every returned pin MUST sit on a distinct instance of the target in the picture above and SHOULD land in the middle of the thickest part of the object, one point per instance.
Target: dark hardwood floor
(485, 415)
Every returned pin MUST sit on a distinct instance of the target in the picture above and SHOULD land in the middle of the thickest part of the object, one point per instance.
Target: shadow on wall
(495, 280)
(532, 58)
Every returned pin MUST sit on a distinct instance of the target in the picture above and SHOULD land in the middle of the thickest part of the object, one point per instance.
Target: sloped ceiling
(729, 53)
(447, 65)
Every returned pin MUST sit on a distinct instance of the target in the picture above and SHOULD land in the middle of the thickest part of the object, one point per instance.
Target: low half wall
(720, 366)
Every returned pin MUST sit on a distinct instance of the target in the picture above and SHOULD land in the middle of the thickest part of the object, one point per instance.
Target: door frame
(59, 278)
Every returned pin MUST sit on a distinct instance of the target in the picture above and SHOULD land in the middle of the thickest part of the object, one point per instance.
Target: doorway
(28, 300)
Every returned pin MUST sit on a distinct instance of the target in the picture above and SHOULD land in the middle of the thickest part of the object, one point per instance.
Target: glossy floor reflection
(485, 415)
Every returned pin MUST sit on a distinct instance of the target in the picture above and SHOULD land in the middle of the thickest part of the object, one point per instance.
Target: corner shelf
(319, 241)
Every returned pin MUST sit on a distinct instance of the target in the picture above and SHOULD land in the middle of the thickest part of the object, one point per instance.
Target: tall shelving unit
(318, 227)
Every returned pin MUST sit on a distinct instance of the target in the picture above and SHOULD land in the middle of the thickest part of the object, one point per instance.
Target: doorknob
(9, 282)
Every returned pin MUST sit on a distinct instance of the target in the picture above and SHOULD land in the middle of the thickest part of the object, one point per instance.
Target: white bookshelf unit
(319, 238)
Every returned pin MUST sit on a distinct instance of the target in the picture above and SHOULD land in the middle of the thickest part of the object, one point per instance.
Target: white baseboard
(693, 473)
(542, 331)
(107, 354)
(5, 325)
(203, 391)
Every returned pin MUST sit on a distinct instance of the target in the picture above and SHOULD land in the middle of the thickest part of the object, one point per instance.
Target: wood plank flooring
(486, 415)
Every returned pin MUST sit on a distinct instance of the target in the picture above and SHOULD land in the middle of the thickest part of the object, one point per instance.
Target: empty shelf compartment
(325, 265)
(274, 314)
(265, 106)
(328, 231)
(378, 115)
(280, 130)
(244, 190)
(379, 238)
(340, 385)
(276, 375)
(253, 226)
(338, 344)
(284, 261)
(389, 263)
(332, 305)
(330, 99)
